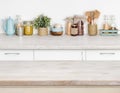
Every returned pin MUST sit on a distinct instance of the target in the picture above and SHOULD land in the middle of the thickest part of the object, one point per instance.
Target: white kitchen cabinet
(16, 55)
(58, 55)
(102, 55)
(62, 89)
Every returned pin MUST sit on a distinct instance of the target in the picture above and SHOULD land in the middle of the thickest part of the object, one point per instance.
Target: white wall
(56, 9)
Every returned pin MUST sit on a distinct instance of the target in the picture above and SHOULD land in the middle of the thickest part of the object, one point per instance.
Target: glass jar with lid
(28, 27)
(113, 22)
(106, 24)
(74, 30)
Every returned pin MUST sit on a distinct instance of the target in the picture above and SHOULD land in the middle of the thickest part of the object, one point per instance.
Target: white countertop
(59, 42)
(59, 73)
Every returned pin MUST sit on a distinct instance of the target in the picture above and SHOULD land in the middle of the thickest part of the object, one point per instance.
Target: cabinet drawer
(102, 55)
(16, 55)
(58, 55)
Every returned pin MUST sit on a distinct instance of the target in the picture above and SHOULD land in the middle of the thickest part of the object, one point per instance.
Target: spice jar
(74, 30)
(28, 28)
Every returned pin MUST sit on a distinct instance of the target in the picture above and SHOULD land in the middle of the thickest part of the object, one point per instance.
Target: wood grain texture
(59, 73)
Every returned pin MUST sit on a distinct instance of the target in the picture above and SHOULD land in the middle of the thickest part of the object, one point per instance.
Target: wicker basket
(43, 31)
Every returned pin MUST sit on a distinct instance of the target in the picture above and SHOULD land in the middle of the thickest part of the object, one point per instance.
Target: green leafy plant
(42, 21)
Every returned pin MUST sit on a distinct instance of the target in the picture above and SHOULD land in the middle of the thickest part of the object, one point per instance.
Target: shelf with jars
(74, 25)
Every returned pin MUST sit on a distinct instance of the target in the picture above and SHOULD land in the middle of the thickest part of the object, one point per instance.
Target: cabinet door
(102, 55)
(16, 55)
(58, 55)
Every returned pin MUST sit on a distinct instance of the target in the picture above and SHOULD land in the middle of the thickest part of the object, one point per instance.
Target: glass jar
(28, 28)
(106, 25)
(19, 26)
(113, 23)
(74, 30)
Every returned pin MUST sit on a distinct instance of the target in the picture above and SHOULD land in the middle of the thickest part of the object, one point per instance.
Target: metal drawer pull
(12, 53)
(107, 53)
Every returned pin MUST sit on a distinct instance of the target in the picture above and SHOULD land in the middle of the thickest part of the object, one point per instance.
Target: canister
(92, 29)
(28, 28)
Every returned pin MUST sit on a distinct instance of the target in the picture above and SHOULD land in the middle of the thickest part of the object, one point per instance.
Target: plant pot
(43, 31)
(92, 29)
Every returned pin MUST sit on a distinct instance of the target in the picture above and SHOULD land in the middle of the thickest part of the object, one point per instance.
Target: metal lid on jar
(28, 22)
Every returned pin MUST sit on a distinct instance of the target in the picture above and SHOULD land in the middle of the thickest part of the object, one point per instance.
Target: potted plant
(42, 23)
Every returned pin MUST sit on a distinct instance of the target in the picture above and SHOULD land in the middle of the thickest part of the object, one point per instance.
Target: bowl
(56, 31)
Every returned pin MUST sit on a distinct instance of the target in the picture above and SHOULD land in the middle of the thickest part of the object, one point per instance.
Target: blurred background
(58, 10)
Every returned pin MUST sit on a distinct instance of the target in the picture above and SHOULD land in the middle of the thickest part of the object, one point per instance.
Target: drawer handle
(107, 53)
(12, 53)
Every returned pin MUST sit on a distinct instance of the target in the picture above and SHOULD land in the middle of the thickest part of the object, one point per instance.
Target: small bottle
(74, 30)
(19, 26)
(81, 28)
